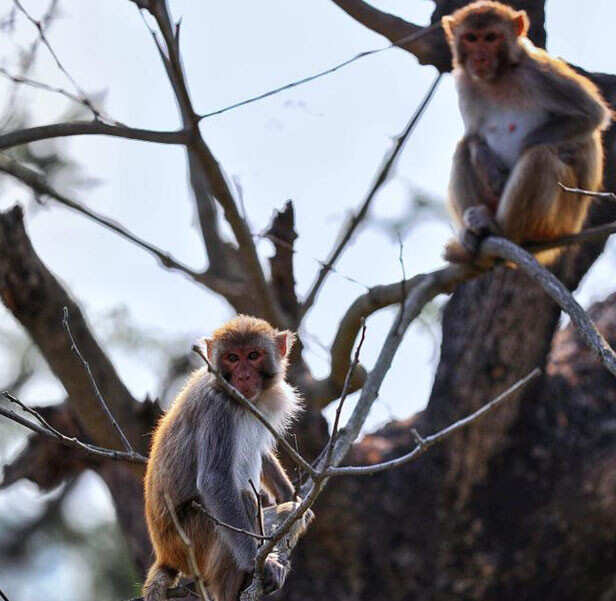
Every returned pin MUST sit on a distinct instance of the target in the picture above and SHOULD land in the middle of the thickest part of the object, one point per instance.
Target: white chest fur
(252, 442)
(504, 129)
(279, 405)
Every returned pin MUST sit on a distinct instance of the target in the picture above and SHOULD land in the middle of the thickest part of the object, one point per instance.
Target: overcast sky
(319, 144)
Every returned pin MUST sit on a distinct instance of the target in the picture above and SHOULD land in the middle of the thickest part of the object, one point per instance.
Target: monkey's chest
(505, 130)
(253, 441)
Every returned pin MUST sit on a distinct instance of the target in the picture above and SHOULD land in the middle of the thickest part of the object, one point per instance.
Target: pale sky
(319, 144)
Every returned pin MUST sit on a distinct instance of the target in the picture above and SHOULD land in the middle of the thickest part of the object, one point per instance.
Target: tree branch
(37, 182)
(349, 229)
(37, 300)
(423, 444)
(205, 168)
(90, 128)
(47, 430)
(504, 249)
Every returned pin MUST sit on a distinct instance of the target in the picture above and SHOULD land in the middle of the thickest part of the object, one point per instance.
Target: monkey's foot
(456, 252)
(480, 221)
(274, 575)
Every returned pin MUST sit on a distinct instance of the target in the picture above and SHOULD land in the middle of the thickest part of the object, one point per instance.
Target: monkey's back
(171, 468)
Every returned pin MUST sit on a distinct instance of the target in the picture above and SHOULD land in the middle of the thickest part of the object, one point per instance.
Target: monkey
(207, 448)
(531, 122)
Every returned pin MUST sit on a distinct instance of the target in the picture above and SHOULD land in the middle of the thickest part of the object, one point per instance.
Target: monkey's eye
(469, 37)
(253, 355)
(491, 37)
(233, 358)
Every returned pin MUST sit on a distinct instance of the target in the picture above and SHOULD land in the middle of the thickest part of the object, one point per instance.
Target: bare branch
(591, 233)
(244, 402)
(228, 526)
(49, 431)
(203, 165)
(423, 444)
(259, 506)
(192, 559)
(95, 387)
(90, 128)
(604, 195)
(83, 97)
(37, 182)
(39, 85)
(349, 229)
(500, 247)
(345, 391)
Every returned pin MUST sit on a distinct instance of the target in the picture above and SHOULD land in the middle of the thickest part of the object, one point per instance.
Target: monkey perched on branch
(209, 449)
(531, 122)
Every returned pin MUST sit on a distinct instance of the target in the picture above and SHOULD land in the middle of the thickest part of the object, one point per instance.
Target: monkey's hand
(274, 574)
(480, 221)
(490, 170)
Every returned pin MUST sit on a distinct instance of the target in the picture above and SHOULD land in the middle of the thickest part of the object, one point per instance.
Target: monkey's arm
(574, 105)
(218, 490)
(275, 479)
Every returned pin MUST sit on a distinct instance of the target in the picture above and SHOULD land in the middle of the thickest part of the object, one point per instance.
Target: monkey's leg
(533, 206)
(465, 193)
(159, 579)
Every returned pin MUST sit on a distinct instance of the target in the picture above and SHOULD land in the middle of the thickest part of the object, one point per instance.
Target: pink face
(244, 365)
(482, 49)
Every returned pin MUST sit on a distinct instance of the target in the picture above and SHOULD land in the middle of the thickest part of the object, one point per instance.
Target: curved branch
(91, 128)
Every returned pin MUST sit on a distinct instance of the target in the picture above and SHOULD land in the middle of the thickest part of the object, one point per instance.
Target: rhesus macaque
(208, 448)
(530, 123)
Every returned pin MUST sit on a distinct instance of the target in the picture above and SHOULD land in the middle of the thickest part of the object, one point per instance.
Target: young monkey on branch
(208, 448)
(531, 122)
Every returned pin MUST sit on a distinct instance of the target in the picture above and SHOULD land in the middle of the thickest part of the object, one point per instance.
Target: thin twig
(351, 226)
(39, 85)
(189, 547)
(3, 596)
(37, 182)
(69, 441)
(259, 506)
(244, 402)
(424, 443)
(401, 42)
(343, 395)
(83, 96)
(95, 387)
(222, 524)
(604, 195)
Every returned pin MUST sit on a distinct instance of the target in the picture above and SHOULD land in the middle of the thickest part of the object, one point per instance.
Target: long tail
(159, 579)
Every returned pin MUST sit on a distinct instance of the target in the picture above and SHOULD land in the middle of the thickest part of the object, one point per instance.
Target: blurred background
(319, 145)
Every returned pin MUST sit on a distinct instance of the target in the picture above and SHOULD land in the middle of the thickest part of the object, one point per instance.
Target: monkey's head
(250, 354)
(484, 38)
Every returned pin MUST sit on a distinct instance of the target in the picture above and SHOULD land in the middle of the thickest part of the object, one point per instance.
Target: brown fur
(173, 467)
(565, 147)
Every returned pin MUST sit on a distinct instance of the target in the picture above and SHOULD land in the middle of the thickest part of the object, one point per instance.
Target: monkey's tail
(159, 579)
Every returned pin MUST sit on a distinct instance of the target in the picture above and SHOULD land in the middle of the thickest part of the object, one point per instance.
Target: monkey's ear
(520, 23)
(447, 25)
(209, 345)
(284, 342)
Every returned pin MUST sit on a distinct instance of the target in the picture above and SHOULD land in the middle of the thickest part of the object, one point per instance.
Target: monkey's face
(482, 52)
(246, 368)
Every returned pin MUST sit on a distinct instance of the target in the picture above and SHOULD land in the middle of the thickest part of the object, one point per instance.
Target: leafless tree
(519, 504)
